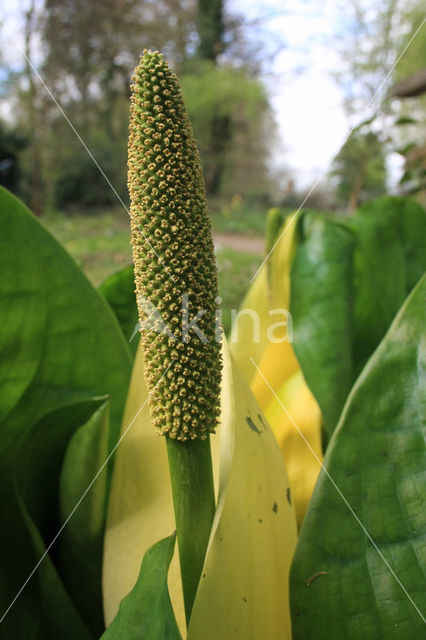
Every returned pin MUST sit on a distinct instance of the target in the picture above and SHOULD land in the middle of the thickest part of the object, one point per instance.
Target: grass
(241, 220)
(235, 270)
(100, 244)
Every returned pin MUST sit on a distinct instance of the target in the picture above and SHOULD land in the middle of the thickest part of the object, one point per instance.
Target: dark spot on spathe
(275, 508)
(289, 496)
(252, 425)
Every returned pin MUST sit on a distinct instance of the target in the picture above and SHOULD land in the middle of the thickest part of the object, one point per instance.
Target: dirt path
(240, 242)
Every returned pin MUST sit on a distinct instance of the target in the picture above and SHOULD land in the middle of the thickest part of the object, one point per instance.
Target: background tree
(407, 97)
(12, 142)
(90, 52)
(211, 29)
(360, 169)
(228, 108)
(31, 111)
(374, 45)
(230, 115)
(86, 52)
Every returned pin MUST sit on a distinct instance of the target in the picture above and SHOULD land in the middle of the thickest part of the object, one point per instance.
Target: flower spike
(175, 271)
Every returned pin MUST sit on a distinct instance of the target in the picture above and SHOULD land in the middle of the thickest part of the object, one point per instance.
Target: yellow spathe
(270, 366)
(298, 434)
(254, 531)
(140, 508)
(262, 310)
(244, 590)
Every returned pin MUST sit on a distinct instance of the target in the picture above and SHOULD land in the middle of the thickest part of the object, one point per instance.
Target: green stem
(191, 476)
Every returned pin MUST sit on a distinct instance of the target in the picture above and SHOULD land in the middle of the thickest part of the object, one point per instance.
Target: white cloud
(311, 120)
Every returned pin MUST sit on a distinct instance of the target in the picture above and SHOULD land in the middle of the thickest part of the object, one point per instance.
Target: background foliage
(85, 54)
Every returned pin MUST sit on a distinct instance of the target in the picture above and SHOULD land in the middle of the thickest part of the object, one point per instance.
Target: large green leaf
(83, 484)
(146, 613)
(59, 344)
(59, 340)
(36, 470)
(119, 291)
(321, 307)
(358, 570)
(347, 288)
(388, 261)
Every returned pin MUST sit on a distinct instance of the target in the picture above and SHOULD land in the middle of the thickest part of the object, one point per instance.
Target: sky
(306, 99)
(308, 105)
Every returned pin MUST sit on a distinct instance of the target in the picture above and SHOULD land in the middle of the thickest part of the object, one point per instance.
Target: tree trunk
(210, 29)
(356, 189)
(35, 181)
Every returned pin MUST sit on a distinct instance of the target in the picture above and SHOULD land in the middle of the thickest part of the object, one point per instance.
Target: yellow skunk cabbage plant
(176, 277)
(324, 372)
(234, 552)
